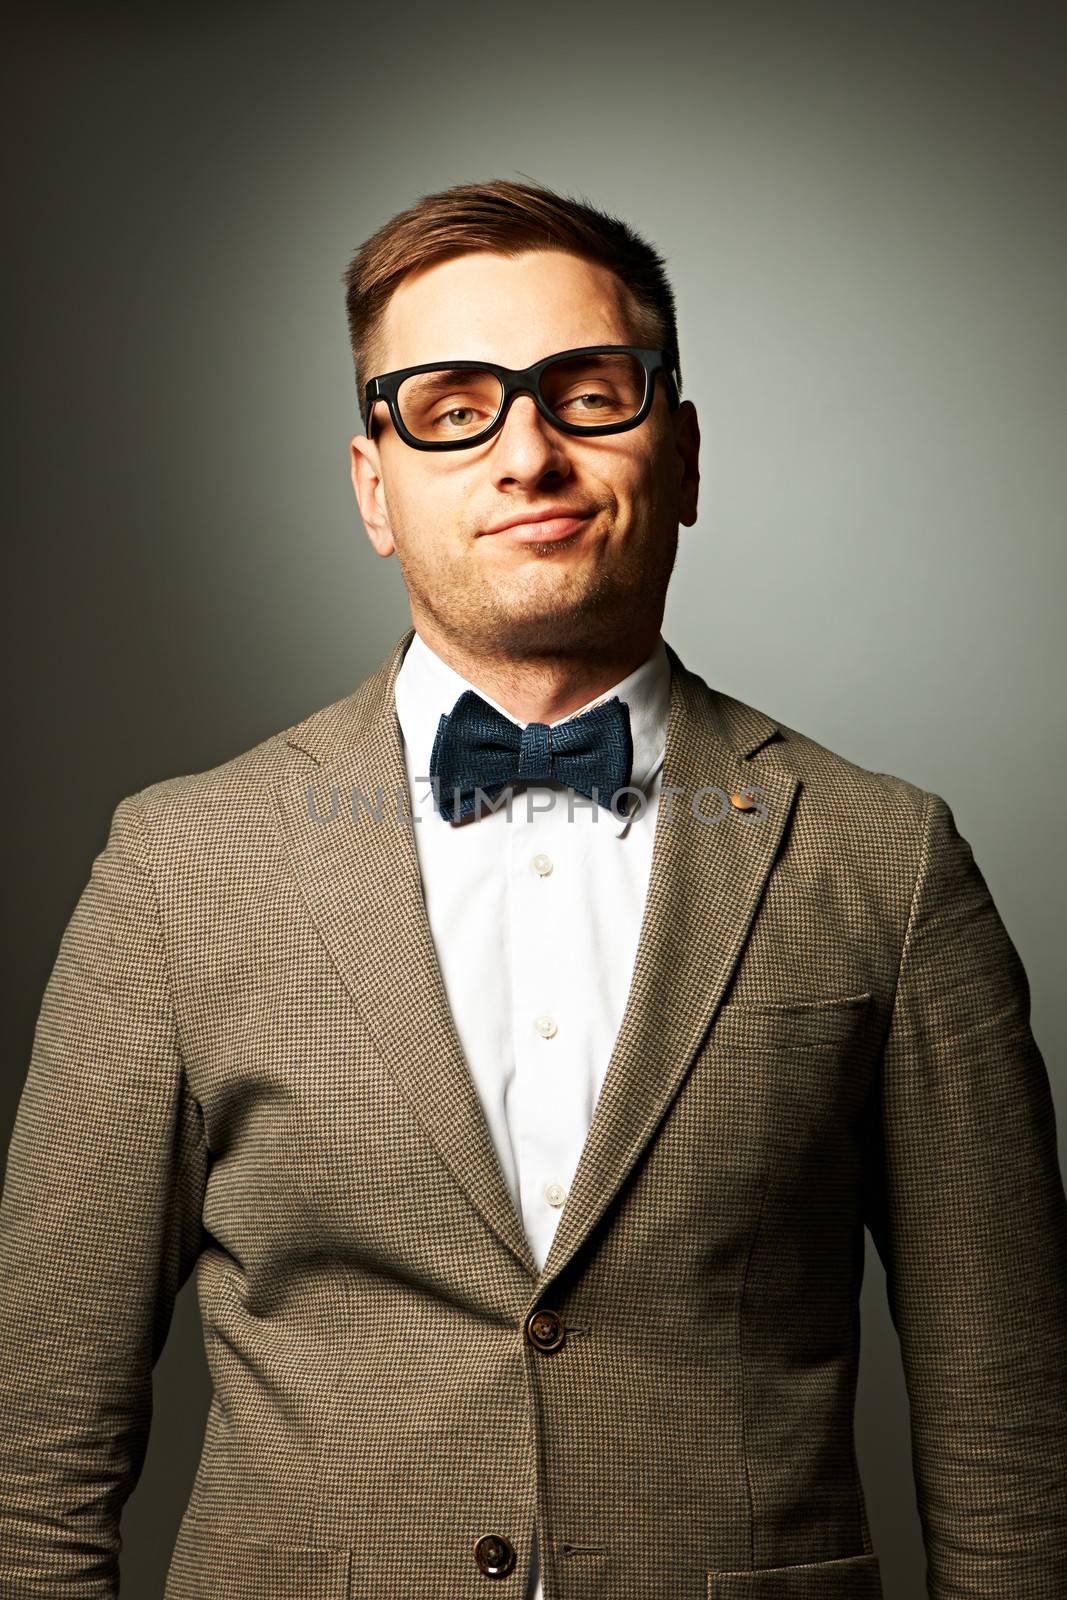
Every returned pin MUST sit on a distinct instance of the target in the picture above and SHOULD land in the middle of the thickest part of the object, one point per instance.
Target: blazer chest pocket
(848, 1578)
(788, 1075)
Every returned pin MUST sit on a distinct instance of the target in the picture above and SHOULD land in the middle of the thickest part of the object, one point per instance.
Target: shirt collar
(426, 688)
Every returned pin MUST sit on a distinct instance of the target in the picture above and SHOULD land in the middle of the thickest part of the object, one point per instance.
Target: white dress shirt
(535, 923)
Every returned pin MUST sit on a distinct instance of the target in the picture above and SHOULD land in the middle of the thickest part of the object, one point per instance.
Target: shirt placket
(546, 1033)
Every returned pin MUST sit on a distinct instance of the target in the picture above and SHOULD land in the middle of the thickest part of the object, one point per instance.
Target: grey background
(862, 209)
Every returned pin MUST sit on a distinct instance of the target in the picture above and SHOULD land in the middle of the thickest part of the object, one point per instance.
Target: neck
(543, 688)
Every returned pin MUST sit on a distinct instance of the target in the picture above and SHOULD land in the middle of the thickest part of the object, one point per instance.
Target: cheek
(664, 480)
(418, 503)
(651, 492)
(628, 480)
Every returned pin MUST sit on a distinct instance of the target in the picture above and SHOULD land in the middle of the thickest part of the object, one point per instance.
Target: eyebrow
(441, 377)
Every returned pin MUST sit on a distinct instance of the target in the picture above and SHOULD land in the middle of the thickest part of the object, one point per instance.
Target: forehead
(509, 309)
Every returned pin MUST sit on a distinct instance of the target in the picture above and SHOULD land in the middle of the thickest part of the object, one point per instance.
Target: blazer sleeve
(100, 1224)
(968, 1215)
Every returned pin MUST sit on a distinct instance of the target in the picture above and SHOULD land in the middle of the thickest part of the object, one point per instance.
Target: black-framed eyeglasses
(451, 405)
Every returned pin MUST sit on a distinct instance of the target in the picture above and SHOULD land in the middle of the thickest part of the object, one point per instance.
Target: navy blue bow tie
(477, 747)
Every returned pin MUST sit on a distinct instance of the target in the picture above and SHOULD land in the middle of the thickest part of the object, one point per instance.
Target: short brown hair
(506, 218)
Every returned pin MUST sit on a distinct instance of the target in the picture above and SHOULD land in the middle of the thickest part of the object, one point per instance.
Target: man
(518, 1048)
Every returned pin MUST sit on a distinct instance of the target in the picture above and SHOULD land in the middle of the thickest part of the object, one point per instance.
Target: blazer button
(545, 1329)
(494, 1554)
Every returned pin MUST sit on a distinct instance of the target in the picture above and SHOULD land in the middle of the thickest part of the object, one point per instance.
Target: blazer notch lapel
(361, 883)
(707, 879)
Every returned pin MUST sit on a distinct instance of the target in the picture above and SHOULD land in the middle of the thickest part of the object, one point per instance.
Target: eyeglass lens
(459, 403)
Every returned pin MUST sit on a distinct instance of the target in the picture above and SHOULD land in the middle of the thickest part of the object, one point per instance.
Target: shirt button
(542, 864)
(555, 1194)
(494, 1555)
(546, 1027)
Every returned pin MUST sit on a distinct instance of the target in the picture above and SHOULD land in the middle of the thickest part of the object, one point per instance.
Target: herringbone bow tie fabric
(477, 747)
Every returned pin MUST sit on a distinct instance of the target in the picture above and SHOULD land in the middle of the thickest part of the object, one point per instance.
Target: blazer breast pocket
(788, 1075)
(847, 1578)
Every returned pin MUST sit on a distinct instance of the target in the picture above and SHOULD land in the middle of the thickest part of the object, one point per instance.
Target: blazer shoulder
(226, 812)
(830, 780)
(232, 799)
(829, 771)
(849, 818)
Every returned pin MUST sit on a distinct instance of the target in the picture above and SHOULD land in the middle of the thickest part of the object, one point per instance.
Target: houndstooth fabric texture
(245, 1065)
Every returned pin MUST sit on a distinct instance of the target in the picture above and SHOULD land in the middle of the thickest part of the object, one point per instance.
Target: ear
(369, 487)
(687, 444)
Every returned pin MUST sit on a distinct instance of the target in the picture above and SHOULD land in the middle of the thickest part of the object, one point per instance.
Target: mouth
(540, 530)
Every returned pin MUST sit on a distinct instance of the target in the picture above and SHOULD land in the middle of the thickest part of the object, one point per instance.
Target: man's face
(495, 593)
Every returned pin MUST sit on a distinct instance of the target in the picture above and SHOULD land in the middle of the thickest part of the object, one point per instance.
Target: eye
(595, 406)
(460, 420)
(599, 401)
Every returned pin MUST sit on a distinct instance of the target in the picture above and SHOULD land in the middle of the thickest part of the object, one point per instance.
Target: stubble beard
(520, 616)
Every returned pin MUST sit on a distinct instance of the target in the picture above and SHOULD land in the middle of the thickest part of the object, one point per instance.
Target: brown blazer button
(494, 1554)
(742, 801)
(545, 1329)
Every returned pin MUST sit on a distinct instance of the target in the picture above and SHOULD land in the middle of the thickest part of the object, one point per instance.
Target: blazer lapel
(363, 889)
(705, 884)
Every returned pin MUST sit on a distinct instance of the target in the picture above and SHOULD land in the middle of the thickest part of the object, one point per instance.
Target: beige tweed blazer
(245, 1065)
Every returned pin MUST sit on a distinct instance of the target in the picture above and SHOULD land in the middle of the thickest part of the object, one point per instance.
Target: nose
(528, 447)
